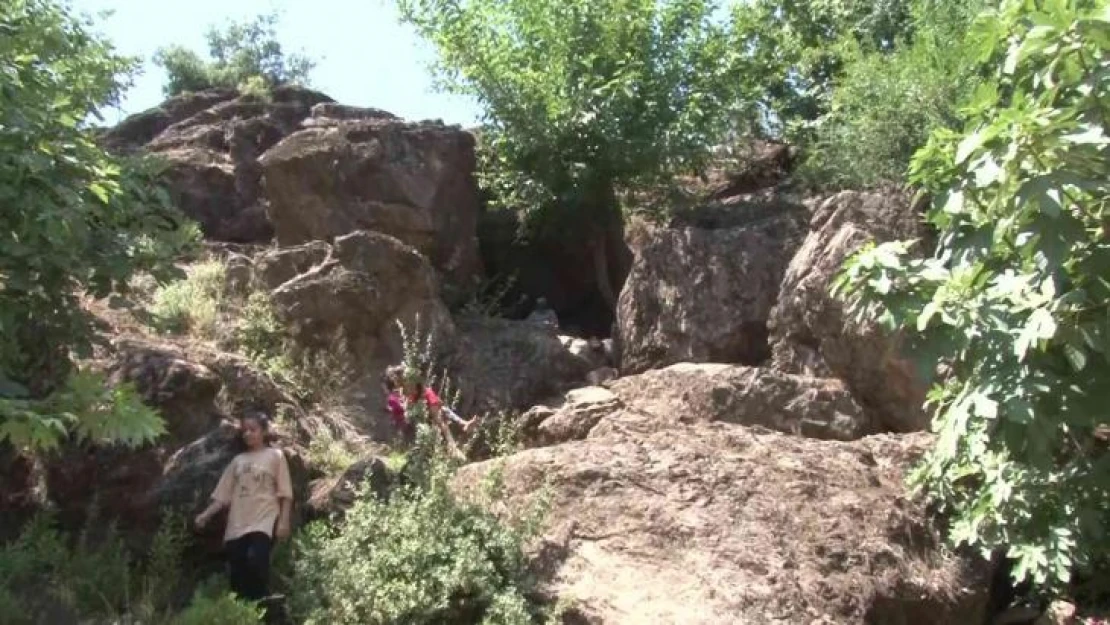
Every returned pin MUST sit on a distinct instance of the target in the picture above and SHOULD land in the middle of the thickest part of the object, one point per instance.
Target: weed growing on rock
(192, 305)
(488, 300)
(329, 454)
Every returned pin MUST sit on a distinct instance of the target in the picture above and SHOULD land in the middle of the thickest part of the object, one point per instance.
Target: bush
(1015, 302)
(329, 454)
(86, 407)
(76, 221)
(213, 605)
(886, 104)
(422, 556)
(43, 572)
(192, 305)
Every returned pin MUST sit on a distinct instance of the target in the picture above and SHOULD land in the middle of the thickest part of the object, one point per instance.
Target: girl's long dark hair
(263, 421)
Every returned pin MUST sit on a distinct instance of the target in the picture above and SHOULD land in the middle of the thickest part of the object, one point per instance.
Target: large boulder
(210, 142)
(330, 497)
(184, 391)
(349, 302)
(755, 166)
(703, 293)
(713, 522)
(139, 129)
(810, 333)
(705, 393)
(502, 364)
(570, 418)
(353, 171)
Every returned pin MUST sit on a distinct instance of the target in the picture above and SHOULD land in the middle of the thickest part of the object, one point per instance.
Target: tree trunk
(599, 250)
(605, 211)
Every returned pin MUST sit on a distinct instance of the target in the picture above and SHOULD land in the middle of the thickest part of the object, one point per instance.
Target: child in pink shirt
(395, 405)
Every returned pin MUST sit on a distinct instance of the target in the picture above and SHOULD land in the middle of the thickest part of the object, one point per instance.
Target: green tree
(75, 222)
(885, 102)
(796, 50)
(584, 98)
(242, 55)
(1015, 302)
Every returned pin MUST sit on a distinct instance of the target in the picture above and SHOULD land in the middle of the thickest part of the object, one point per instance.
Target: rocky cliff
(739, 457)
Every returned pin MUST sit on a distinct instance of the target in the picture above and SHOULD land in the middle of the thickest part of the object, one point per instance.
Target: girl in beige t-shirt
(257, 491)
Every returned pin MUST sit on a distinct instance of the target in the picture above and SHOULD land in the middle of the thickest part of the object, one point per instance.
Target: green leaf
(100, 192)
(969, 145)
(1076, 357)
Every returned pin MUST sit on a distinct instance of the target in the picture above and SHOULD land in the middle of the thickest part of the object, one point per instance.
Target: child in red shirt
(416, 392)
(395, 405)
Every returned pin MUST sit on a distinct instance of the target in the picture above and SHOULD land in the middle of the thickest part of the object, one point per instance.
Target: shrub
(242, 55)
(886, 104)
(76, 221)
(329, 454)
(313, 375)
(192, 305)
(86, 407)
(1015, 300)
(213, 605)
(44, 572)
(422, 556)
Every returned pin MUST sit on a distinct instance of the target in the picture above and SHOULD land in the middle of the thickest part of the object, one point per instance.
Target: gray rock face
(364, 171)
(704, 295)
(500, 364)
(669, 475)
(809, 331)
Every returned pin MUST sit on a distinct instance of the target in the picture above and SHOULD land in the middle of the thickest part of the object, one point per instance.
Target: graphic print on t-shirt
(253, 479)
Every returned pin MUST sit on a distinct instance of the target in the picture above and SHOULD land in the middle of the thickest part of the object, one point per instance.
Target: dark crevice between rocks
(562, 275)
(751, 346)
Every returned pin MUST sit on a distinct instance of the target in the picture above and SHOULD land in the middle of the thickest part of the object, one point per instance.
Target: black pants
(248, 563)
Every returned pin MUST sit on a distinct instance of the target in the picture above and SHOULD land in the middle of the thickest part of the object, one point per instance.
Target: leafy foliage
(42, 573)
(214, 605)
(76, 222)
(329, 454)
(242, 55)
(583, 97)
(796, 51)
(1015, 301)
(86, 408)
(859, 86)
(192, 305)
(422, 556)
(886, 103)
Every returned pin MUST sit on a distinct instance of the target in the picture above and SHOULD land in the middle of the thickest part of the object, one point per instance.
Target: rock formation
(699, 294)
(347, 172)
(738, 457)
(809, 331)
(667, 508)
(211, 142)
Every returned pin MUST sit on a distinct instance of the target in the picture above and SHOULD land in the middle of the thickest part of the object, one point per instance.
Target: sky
(365, 57)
